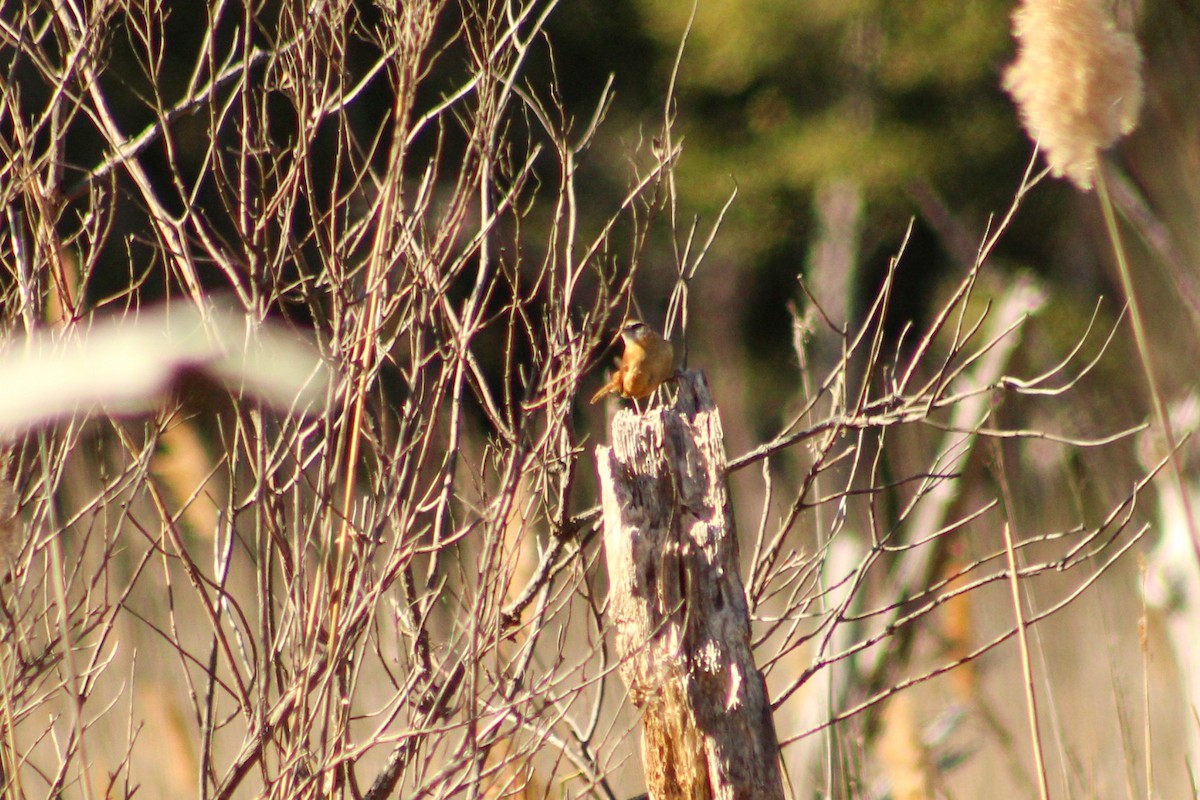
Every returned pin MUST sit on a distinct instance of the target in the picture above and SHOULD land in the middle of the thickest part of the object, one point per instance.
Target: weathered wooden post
(678, 605)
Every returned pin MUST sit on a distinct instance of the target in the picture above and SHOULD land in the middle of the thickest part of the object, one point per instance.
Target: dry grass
(394, 588)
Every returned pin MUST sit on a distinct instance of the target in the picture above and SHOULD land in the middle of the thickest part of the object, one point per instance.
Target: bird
(647, 362)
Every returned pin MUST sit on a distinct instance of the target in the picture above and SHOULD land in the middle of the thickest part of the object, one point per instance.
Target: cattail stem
(1143, 348)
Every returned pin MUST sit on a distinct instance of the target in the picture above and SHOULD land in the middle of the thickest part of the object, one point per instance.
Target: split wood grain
(678, 606)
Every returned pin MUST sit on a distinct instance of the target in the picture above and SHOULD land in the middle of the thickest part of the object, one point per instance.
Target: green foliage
(782, 95)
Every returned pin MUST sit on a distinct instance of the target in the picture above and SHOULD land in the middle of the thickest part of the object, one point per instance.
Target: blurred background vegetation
(849, 120)
(834, 124)
(837, 133)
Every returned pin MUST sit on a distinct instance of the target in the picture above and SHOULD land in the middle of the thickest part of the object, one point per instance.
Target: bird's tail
(606, 389)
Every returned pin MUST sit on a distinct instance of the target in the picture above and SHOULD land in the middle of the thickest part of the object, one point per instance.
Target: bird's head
(636, 331)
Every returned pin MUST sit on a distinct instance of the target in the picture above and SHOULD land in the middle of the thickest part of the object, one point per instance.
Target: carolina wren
(648, 360)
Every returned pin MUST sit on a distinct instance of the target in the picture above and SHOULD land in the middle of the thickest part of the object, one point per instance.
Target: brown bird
(648, 360)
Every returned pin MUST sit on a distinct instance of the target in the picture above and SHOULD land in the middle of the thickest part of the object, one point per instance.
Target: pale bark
(678, 606)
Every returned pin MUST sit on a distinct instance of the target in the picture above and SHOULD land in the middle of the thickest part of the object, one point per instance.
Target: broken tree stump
(678, 606)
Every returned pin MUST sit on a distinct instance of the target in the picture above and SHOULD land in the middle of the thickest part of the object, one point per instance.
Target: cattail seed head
(1077, 82)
